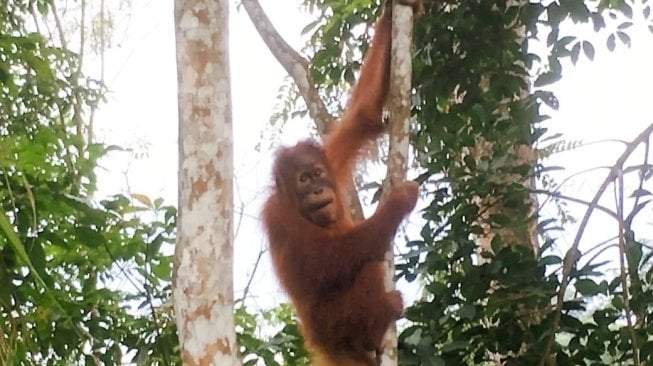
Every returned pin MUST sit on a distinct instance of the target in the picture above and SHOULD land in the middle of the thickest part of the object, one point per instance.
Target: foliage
(82, 282)
(478, 97)
(87, 282)
(284, 346)
(498, 308)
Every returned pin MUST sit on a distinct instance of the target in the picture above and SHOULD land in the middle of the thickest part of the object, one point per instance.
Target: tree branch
(295, 65)
(575, 200)
(623, 276)
(571, 257)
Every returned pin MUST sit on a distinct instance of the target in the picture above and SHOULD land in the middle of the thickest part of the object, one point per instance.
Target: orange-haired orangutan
(331, 267)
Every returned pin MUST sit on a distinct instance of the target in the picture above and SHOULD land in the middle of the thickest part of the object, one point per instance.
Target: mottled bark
(203, 284)
(526, 234)
(399, 110)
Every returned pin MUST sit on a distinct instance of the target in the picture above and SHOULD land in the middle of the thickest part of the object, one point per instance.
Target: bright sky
(607, 98)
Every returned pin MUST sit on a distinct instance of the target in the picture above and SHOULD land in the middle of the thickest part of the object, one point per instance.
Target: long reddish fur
(334, 276)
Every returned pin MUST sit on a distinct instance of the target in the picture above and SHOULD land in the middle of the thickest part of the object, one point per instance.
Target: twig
(295, 65)
(575, 200)
(619, 196)
(647, 147)
(77, 113)
(564, 181)
(251, 276)
(568, 265)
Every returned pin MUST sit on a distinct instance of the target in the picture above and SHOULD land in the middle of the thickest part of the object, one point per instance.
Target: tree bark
(524, 154)
(399, 105)
(203, 283)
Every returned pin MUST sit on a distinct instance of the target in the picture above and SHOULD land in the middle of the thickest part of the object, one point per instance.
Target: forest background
(88, 135)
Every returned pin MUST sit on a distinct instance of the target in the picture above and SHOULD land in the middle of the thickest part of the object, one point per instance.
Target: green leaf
(611, 42)
(310, 26)
(575, 51)
(588, 49)
(468, 311)
(37, 256)
(597, 21)
(497, 243)
(143, 199)
(501, 219)
(587, 287)
(163, 269)
(550, 260)
(625, 39)
(547, 79)
(470, 162)
(634, 253)
(89, 237)
(455, 345)
(647, 351)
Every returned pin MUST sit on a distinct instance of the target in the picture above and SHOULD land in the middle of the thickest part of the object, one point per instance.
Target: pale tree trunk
(491, 205)
(399, 108)
(203, 283)
(523, 235)
(527, 234)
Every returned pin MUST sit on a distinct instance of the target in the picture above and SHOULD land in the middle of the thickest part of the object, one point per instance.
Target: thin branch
(295, 65)
(35, 18)
(82, 32)
(571, 256)
(600, 244)
(619, 193)
(77, 116)
(642, 174)
(251, 276)
(576, 200)
(59, 26)
(601, 251)
(569, 178)
(103, 24)
(91, 119)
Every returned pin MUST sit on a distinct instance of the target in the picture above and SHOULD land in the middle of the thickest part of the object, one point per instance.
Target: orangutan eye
(318, 172)
(303, 178)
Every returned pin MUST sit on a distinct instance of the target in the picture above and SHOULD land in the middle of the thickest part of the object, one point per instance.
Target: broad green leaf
(587, 287)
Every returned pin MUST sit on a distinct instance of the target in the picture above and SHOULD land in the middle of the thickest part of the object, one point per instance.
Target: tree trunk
(524, 155)
(203, 284)
(399, 109)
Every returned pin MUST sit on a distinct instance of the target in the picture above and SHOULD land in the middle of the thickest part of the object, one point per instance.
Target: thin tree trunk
(203, 283)
(399, 108)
